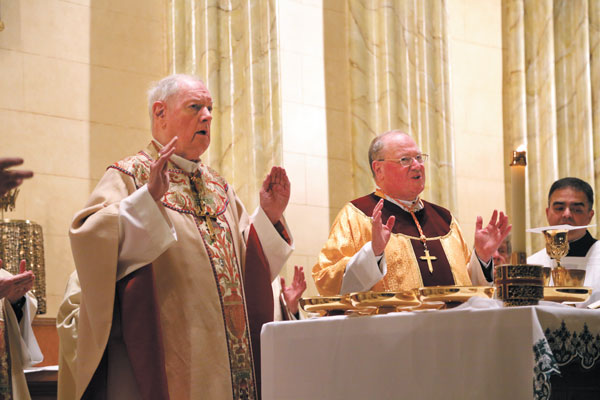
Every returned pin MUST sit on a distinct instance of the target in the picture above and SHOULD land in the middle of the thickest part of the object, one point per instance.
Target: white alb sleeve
(31, 353)
(145, 231)
(363, 271)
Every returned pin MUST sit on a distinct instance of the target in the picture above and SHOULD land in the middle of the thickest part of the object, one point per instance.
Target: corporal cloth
(198, 279)
(18, 347)
(351, 233)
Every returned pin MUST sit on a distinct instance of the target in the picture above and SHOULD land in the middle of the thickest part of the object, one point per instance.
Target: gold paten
(560, 294)
(385, 301)
(455, 293)
(325, 305)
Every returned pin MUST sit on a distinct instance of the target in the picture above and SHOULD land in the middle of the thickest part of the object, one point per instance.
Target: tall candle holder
(517, 175)
(518, 283)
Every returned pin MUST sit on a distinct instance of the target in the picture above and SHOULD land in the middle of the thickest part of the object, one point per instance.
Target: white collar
(187, 165)
(406, 205)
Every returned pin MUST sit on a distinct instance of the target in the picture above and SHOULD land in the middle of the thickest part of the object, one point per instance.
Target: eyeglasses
(407, 160)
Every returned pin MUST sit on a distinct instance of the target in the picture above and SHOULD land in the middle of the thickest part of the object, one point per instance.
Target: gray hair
(167, 87)
(377, 145)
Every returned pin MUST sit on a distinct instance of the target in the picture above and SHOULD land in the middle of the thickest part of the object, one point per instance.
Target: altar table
(463, 353)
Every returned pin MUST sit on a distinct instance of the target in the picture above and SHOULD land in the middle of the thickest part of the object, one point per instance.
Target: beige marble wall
(312, 127)
(72, 100)
(476, 64)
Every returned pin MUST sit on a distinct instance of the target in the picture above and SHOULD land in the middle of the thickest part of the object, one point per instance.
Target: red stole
(259, 296)
(142, 335)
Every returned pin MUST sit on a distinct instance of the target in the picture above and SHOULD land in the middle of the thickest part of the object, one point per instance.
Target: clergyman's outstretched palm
(275, 194)
(380, 232)
(488, 239)
(292, 293)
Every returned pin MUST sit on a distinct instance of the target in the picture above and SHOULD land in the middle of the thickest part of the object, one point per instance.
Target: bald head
(398, 165)
(377, 147)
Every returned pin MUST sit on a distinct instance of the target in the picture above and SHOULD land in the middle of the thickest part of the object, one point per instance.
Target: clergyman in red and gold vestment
(419, 244)
(172, 271)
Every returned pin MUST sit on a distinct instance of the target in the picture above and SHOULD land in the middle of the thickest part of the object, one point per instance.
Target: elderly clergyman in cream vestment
(168, 262)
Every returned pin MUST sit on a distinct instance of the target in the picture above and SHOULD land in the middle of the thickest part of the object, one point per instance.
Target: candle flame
(522, 148)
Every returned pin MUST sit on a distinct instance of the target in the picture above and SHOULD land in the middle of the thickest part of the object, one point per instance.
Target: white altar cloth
(463, 353)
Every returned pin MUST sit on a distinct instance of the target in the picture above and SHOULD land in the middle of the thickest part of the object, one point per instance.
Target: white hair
(166, 87)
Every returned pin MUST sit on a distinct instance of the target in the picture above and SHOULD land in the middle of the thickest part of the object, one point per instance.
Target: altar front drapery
(473, 353)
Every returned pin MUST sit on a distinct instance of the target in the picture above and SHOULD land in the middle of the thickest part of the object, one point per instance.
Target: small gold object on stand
(519, 284)
(23, 240)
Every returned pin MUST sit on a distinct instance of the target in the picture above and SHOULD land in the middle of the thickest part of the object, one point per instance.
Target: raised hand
(292, 293)
(10, 179)
(380, 233)
(15, 287)
(275, 194)
(488, 239)
(158, 184)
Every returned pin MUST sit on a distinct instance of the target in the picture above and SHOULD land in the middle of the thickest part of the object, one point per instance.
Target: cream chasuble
(198, 279)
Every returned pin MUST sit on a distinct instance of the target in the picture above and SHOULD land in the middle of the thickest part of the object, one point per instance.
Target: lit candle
(517, 178)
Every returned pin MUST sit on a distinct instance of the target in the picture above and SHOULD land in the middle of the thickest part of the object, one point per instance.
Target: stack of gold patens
(366, 303)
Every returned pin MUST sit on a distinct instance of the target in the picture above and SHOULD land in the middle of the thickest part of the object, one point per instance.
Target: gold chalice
(557, 245)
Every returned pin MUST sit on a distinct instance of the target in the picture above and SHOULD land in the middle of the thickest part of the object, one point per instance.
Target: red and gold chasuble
(203, 195)
(407, 267)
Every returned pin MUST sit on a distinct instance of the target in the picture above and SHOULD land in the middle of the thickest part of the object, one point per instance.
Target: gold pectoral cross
(196, 180)
(429, 258)
(209, 218)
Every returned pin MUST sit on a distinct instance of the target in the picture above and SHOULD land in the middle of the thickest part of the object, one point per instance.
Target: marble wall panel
(295, 167)
(119, 97)
(127, 42)
(11, 80)
(304, 129)
(37, 138)
(56, 87)
(10, 37)
(56, 29)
